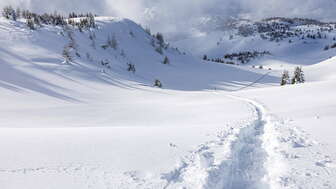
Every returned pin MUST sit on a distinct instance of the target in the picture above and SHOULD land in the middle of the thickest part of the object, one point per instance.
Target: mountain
(80, 109)
(288, 40)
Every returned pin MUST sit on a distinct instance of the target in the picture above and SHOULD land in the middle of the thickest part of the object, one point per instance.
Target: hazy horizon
(177, 16)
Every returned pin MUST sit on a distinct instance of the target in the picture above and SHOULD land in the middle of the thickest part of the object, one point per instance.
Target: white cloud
(172, 15)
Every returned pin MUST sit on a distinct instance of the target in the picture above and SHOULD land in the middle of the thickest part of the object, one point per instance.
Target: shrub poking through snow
(326, 47)
(132, 34)
(285, 78)
(157, 83)
(131, 68)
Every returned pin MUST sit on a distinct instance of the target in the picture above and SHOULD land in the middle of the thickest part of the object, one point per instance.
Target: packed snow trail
(262, 152)
(246, 168)
(240, 159)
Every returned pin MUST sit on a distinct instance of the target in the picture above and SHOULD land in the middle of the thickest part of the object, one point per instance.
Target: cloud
(179, 15)
(62, 6)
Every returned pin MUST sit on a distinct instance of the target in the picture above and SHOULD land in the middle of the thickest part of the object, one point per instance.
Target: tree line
(84, 21)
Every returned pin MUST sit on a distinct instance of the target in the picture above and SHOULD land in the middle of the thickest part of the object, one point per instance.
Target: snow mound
(322, 71)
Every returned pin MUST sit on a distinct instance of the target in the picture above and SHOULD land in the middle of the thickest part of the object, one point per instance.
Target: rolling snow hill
(289, 41)
(91, 122)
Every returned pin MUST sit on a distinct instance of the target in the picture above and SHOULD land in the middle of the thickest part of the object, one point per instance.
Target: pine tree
(14, 16)
(152, 42)
(131, 68)
(157, 83)
(285, 78)
(298, 76)
(66, 55)
(148, 31)
(18, 13)
(30, 24)
(160, 38)
(8, 11)
(112, 42)
(166, 60)
(91, 21)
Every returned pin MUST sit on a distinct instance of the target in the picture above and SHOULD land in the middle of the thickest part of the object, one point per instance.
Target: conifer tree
(298, 76)
(66, 55)
(131, 68)
(285, 78)
(112, 42)
(30, 24)
(157, 83)
(160, 38)
(166, 60)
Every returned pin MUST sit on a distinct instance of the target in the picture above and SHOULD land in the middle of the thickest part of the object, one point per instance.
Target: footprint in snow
(172, 145)
(325, 163)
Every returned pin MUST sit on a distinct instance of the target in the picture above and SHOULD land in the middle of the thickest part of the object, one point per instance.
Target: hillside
(288, 40)
(34, 53)
(80, 109)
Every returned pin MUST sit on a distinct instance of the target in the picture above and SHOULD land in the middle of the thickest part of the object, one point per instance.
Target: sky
(177, 15)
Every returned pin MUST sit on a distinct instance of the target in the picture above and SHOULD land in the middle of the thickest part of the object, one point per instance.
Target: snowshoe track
(262, 153)
(236, 161)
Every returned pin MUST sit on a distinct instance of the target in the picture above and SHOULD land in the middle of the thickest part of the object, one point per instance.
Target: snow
(85, 125)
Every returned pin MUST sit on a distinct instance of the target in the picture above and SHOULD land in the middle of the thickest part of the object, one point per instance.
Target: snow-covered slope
(322, 71)
(93, 124)
(290, 41)
(40, 53)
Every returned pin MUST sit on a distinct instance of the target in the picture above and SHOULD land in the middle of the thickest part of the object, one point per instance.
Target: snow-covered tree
(152, 42)
(91, 21)
(157, 83)
(67, 55)
(148, 31)
(112, 42)
(160, 38)
(298, 76)
(9, 13)
(285, 78)
(18, 12)
(30, 24)
(6, 11)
